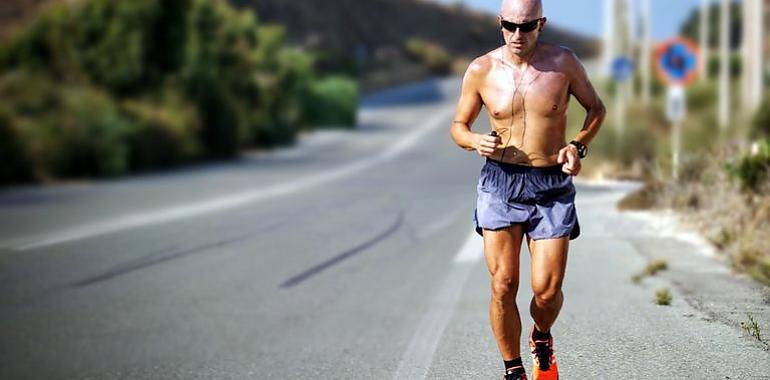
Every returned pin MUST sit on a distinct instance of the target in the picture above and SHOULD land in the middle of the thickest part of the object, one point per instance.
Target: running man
(525, 186)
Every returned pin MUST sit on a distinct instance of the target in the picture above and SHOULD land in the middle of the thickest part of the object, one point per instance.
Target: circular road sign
(622, 68)
(676, 61)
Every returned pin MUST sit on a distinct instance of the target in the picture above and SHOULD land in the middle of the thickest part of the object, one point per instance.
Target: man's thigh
(502, 248)
(549, 262)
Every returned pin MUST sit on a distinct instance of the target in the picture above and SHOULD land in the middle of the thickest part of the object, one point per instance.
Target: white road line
(418, 357)
(472, 250)
(146, 218)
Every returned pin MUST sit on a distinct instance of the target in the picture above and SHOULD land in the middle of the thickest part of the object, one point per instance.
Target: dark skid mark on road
(344, 255)
(163, 256)
(150, 260)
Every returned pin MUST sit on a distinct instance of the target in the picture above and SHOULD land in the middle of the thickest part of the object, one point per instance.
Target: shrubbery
(101, 87)
(761, 123)
(752, 170)
(432, 55)
(164, 132)
(61, 130)
(640, 139)
(332, 101)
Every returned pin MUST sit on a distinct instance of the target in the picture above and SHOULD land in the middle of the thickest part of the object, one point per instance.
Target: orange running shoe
(543, 360)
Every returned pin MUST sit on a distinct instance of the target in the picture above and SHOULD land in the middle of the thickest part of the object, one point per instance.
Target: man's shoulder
(558, 52)
(562, 58)
(482, 64)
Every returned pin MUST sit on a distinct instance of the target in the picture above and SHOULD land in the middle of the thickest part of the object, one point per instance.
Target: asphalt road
(350, 256)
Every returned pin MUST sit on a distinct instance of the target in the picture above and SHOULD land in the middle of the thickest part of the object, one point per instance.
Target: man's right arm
(468, 109)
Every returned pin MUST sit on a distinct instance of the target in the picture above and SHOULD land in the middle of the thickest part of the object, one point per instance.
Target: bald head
(521, 10)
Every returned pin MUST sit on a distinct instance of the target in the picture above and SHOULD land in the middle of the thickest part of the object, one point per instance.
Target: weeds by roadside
(650, 269)
(752, 328)
(663, 297)
(730, 207)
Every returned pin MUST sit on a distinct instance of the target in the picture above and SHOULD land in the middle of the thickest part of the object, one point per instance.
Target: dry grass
(645, 198)
(663, 297)
(736, 222)
(652, 268)
(655, 266)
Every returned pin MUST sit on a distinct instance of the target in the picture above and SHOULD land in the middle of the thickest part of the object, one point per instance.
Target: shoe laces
(543, 353)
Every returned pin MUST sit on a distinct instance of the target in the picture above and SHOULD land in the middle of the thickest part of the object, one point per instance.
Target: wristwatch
(581, 148)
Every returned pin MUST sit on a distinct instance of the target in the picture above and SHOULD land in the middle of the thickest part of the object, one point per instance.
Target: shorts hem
(550, 237)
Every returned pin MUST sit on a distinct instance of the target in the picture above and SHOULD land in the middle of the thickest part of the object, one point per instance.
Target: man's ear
(542, 24)
(499, 20)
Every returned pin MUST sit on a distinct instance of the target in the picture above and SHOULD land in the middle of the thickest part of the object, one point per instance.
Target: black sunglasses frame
(524, 27)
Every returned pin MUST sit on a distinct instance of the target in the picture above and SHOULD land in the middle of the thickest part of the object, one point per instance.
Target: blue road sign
(677, 61)
(622, 68)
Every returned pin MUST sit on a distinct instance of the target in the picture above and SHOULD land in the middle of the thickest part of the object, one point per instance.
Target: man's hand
(569, 157)
(486, 145)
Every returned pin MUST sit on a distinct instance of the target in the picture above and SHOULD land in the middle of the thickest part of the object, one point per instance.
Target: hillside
(347, 25)
(381, 42)
(377, 25)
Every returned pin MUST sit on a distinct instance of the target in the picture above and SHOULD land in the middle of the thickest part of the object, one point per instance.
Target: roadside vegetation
(663, 297)
(723, 189)
(651, 269)
(100, 88)
(432, 55)
(751, 327)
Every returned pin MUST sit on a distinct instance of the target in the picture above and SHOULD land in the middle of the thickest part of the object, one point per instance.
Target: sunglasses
(525, 27)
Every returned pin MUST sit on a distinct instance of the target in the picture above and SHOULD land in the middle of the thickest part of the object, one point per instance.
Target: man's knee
(504, 286)
(546, 294)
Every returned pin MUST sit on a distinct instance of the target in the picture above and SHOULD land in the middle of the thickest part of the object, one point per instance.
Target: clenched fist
(486, 145)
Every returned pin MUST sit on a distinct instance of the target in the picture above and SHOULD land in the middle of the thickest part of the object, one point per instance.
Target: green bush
(735, 62)
(123, 45)
(164, 132)
(641, 135)
(13, 156)
(701, 96)
(64, 131)
(207, 82)
(761, 124)
(434, 56)
(332, 101)
(283, 77)
(752, 169)
(90, 136)
(168, 82)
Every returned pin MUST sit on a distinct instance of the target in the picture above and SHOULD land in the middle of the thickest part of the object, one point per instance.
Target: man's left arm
(584, 92)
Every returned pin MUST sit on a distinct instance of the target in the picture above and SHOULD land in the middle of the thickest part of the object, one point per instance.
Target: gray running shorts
(542, 199)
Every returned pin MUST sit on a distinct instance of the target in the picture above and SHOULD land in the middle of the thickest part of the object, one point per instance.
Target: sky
(585, 16)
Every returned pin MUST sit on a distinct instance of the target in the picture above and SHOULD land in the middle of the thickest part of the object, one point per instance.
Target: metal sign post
(675, 112)
(622, 70)
(677, 63)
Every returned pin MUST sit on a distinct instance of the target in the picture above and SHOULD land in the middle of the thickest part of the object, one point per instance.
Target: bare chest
(543, 94)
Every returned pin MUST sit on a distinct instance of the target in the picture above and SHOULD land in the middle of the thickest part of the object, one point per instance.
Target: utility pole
(724, 64)
(752, 73)
(630, 48)
(623, 47)
(705, 7)
(608, 51)
(644, 59)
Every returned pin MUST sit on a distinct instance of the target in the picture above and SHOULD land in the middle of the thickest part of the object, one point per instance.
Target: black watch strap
(581, 148)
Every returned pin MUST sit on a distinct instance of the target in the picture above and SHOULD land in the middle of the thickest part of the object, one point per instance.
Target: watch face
(581, 149)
